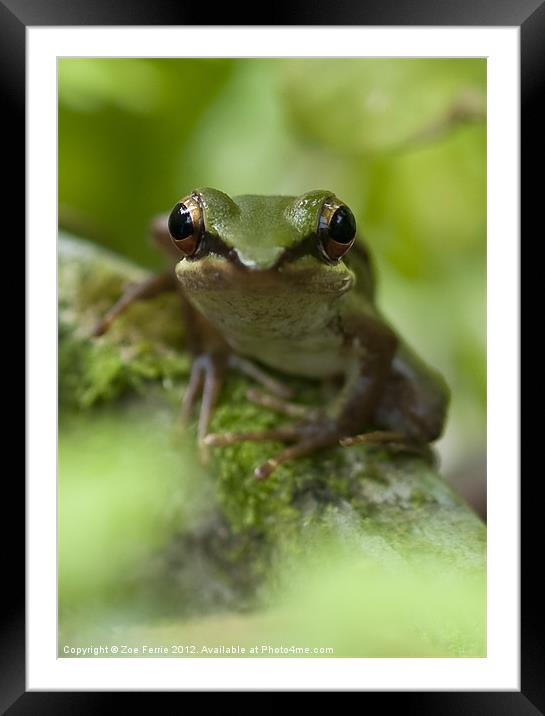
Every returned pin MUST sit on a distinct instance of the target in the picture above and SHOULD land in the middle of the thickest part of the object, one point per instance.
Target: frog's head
(261, 246)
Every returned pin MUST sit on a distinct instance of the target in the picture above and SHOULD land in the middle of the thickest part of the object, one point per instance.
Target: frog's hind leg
(397, 442)
(305, 443)
(307, 439)
(377, 436)
(302, 447)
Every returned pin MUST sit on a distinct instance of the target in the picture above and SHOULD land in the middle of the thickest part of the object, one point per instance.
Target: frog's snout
(262, 258)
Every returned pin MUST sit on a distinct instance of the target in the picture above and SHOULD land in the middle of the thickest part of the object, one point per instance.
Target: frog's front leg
(212, 357)
(152, 286)
(207, 375)
(372, 351)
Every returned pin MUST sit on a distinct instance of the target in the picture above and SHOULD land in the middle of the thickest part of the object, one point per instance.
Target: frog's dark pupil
(342, 227)
(180, 224)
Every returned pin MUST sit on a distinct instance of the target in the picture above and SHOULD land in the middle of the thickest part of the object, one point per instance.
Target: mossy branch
(392, 508)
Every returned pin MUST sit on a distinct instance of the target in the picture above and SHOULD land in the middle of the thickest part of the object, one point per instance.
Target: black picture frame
(15, 16)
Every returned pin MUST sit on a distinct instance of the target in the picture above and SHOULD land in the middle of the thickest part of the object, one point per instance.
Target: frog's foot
(307, 438)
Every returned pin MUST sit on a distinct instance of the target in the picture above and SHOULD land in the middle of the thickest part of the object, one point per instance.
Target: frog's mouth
(213, 274)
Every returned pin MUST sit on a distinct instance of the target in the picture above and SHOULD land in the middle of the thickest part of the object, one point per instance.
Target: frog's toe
(394, 441)
(377, 436)
(191, 392)
(253, 371)
(300, 449)
(279, 405)
(307, 439)
(206, 379)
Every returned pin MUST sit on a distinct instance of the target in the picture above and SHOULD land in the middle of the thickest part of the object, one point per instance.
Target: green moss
(138, 349)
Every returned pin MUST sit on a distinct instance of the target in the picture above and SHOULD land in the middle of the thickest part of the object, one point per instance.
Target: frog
(286, 286)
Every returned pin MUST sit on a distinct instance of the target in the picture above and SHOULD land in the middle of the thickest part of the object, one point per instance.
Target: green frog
(285, 283)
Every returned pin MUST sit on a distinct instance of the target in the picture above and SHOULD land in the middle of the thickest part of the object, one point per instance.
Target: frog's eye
(336, 230)
(186, 225)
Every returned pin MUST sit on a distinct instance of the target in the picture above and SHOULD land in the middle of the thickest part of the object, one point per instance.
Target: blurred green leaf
(121, 125)
(118, 472)
(362, 105)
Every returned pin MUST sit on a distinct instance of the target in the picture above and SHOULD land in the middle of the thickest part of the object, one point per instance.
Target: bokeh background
(402, 141)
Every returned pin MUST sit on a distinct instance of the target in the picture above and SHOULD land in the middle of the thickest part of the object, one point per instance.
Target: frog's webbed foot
(307, 437)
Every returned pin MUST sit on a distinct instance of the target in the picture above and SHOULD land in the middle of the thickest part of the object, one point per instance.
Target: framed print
(272, 353)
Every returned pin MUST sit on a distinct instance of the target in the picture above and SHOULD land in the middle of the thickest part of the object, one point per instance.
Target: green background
(402, 142)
